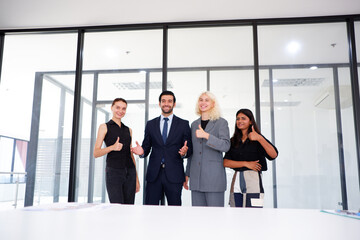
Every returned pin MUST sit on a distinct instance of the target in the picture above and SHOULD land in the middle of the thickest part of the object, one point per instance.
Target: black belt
(162, 165)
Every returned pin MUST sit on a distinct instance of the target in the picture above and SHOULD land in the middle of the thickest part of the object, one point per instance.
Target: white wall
(52, 13)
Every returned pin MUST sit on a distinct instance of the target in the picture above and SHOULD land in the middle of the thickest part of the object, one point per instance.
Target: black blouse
(249, 151)
(122, 158)
(204, 123)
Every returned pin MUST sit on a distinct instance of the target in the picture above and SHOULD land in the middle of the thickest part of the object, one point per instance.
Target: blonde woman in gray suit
(210, 138)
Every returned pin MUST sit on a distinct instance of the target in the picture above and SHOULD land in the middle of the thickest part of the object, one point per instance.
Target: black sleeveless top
(122, 158)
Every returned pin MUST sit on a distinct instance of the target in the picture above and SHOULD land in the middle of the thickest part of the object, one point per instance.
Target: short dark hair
(167, 93)
(118, 100)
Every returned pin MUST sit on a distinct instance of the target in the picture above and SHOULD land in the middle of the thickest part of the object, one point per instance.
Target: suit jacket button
(200, 152)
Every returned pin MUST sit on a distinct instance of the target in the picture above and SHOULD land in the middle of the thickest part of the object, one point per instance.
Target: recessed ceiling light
(142, 72)
(313, 67)
(275, 80)
(110, 53)
(293, 47)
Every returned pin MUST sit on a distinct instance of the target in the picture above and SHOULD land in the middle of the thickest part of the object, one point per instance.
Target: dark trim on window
(34, 140)
(165, 58)
(354, 78)
(272, 122)
(256, 74)
(103, 192)
(206, 68)
(2, 41)
(13, 161)
(76, 118)
(147, 104)
(93, 139)
(191, 24)
(208, 80)
(344, 201)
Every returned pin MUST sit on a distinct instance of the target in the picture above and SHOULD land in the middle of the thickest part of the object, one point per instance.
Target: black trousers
(121, 185)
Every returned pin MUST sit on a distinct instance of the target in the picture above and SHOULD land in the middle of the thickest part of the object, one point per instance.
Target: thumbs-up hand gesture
(138, 150)
(184, 149)
(200, 133)
(117, 146)
(254, 136)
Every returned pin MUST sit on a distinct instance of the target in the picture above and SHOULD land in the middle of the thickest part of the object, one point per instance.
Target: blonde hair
(215, 111)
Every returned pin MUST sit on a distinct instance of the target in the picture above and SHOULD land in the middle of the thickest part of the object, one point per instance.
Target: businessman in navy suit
(168, 137)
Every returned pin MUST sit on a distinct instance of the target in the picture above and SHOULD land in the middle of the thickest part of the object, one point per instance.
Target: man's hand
(186, 186)
(138, 150)
(137, 185)
(184, 149)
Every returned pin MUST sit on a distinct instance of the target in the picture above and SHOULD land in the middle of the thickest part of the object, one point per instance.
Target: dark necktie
(164, 134)
(165, 130)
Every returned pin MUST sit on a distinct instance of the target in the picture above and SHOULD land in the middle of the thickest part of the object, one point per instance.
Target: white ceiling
(19, 14)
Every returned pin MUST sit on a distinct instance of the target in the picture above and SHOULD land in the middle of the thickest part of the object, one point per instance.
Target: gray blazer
(205, 166)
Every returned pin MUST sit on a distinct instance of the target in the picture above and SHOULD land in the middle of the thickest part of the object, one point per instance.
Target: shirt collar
(114, 123)
(169, 117)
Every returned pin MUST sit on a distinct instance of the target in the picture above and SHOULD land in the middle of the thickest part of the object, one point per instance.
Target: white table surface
(112, 221)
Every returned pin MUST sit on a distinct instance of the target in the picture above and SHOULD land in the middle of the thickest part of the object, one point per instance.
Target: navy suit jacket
(178, 134)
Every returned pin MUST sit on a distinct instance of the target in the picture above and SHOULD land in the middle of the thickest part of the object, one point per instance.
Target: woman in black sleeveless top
(121, 177)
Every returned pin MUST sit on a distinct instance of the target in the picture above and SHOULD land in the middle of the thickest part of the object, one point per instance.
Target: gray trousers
(210, 199)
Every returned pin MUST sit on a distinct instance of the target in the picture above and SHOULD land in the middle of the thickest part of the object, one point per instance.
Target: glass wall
(116, 64)
(12, 172)
(306, 104)
(304, 80)
(49, 113)
(267, 125)
(352, 164)
(349, 141)
(217, 59)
